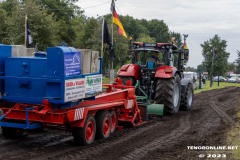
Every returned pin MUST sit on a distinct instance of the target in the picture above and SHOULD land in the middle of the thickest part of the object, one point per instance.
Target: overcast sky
(200, 19)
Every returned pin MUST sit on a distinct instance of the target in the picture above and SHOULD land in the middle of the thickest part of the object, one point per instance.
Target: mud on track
(213, 114)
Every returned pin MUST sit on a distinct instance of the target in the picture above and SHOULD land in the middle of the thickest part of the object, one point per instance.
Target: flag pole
(102, 38)
(112, 25)
(112, 71)
(25, 30)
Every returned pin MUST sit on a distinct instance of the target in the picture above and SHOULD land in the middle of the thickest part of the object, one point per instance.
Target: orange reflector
(185, 46)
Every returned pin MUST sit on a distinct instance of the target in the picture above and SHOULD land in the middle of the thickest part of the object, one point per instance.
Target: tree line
(216, 58)
(56, 22)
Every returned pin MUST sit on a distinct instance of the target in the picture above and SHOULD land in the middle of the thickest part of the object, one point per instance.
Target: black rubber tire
(79, 134)
(113, 121)
(188, 98)
(125, 79)
(101, 117)
(9, 132)
(164, 93)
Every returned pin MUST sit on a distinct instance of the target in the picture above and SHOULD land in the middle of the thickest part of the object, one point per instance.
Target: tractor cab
(153, 55)
(149, 61)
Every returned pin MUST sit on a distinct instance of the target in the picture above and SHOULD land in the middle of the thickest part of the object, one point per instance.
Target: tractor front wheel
(188, 98)
(168, 92)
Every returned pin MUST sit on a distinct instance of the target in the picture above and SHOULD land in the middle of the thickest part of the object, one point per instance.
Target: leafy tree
(65, 11)
(214, 52)
(133, 27)
(92, 25)
(52, 22)
(8, 5)
(190, 69)
(238, 63)
(146, 38)
(43, 27)
(201, 68)
(3, 26)
(78, 26)
(159, 30)
(231, 67)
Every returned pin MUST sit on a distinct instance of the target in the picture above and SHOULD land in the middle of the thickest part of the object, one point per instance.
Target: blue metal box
(32, 79)
(5, 51)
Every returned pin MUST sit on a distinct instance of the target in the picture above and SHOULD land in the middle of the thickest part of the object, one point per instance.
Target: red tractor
(153, 68)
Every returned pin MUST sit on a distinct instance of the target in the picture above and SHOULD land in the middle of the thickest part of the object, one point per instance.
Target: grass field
(215, 86)
(106, 80)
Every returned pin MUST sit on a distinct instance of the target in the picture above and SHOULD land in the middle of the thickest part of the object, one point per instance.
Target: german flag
(116, 20)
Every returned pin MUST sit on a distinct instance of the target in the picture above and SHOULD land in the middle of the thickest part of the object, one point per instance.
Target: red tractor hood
(130, 70)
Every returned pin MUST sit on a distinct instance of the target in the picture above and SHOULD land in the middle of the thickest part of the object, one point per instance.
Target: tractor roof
(146, 49)
(153, 46)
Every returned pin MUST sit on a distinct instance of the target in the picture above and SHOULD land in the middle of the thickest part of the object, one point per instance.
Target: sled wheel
(113, 120)
(104, 124)
(85, 135)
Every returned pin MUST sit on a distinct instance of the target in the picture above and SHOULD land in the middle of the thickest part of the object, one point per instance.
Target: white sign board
(93, 83)
(74, 89)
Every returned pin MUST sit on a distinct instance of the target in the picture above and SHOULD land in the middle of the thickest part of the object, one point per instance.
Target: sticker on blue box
(72, 63)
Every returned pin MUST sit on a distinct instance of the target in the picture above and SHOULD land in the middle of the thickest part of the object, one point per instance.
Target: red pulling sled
(87, 120)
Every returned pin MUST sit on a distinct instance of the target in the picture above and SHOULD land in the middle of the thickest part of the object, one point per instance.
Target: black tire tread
(79, 133)
(185, 105)
(114, 113)
(164, 93)
(99, 124)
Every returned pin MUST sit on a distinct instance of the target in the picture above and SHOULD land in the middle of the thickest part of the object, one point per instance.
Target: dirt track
(213, 114)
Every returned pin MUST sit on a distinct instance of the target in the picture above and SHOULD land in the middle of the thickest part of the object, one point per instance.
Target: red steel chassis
(118, 98)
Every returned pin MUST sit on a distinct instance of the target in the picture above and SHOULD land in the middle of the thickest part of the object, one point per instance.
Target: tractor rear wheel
(168, 92)
(85, 135)
(125, 79)
(104, 124)
(188, 98)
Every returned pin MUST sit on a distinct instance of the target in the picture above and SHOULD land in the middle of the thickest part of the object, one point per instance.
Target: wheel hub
(176, 92)
(189, 98)
(106, 126)
(89, 131)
